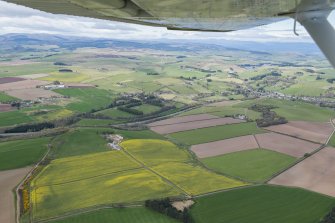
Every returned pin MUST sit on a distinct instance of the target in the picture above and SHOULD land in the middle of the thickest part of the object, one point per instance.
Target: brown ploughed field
(225, 146)
(8, 180)
(182, 119)
(286, 144)
(6, 107)
(316, 173)
(25, 84)
(5, 80)
(32, 93)
(312, 131)
(167, 129)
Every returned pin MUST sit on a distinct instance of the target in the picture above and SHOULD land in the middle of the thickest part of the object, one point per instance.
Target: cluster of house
(114, 141)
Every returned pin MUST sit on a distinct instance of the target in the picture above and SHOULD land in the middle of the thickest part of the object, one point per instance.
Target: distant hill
(21, 42)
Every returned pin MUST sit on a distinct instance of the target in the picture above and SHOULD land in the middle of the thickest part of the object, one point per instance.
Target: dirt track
(167, 129)
(286, 144)
(313, 131)
(316, 173)
(8, 180)
(225, 146)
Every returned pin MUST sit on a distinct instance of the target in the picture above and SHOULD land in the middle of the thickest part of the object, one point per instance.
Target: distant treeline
(164, 207)
(262, 76)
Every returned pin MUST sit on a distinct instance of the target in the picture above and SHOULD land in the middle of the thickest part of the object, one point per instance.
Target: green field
(210, 134)
(94, 122)
(153, 151)
(5, 98)
(79, 142)
(87, 98)
(147, 108)
(76, 168)
(255, 165)
(14, 118)
(122, 187)
(121, 215)
(115, 113)
(223, 111)
(295, 110)
(194, 179)
(21, 153)
(262, 204)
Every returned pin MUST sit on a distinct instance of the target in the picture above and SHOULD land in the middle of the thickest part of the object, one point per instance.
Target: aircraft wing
(203, 15)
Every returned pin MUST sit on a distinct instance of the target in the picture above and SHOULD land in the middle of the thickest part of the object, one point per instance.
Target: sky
(19, 19)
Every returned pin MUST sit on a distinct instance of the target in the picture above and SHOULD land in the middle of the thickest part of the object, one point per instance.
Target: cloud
(19, 19)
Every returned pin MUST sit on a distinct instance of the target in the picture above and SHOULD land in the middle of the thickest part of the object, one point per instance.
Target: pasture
(295, 110)
(194, 179)
(5, 98)
(255, 165)
(147, 108)
(115, 113)
(153, 151)
(119, 215)
(14, 118)
(86, 98)
(216, 133)
(22, 153)
(94, 122)
(79, 142)
(123, 187)
(262, 204)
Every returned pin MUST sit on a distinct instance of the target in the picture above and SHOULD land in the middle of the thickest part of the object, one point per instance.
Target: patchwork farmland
(109, 159)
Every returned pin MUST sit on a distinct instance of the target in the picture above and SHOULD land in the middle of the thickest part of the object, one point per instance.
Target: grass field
(223, 111)
(147, 108)
(53, 115)
(332, 141)
(21, 153)
(153, 151)
(253, 165)
(5, 98)
(123, 187)
(83, 167)
(262, 204)
(198, 136)
(14, 118)
(194, 179)
(295, 110)
(79, 142)
(94, 122)
(88, 98)
(119, 215)
(115, 113)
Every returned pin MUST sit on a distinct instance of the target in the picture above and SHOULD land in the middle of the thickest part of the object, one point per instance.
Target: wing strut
(323, 33)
